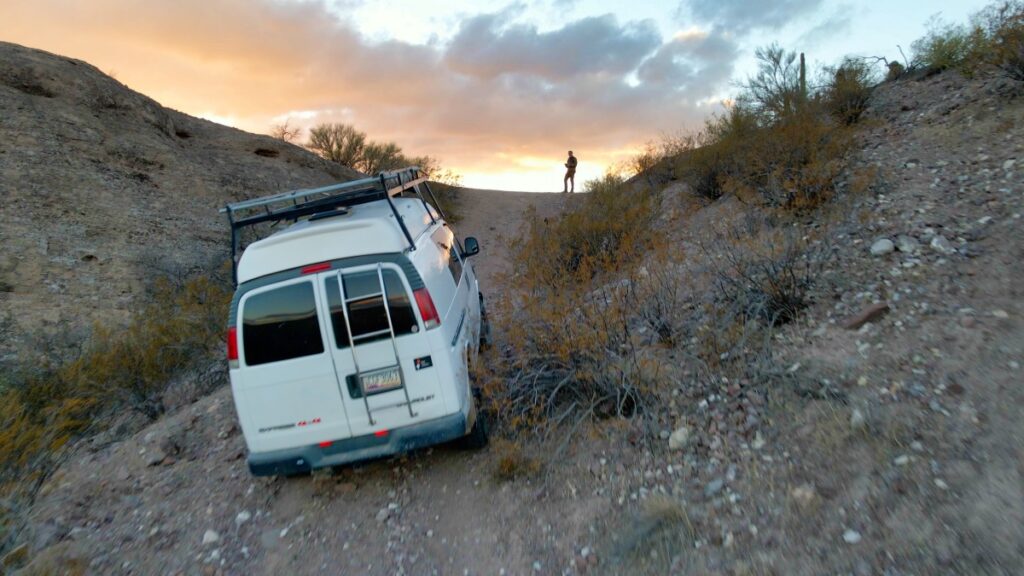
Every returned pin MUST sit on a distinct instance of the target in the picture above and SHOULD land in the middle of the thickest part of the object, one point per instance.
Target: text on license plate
(381, 380)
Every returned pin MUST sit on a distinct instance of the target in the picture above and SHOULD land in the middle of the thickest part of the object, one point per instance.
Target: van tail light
(232, 347)
(427, 310)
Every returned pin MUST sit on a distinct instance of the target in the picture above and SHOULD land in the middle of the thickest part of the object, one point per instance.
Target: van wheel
(477, 437)
(485, 326)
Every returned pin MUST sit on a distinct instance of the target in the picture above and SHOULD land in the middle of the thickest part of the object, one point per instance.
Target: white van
(351, 331)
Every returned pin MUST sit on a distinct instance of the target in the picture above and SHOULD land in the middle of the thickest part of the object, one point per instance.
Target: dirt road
(493, 217)
(125, 508)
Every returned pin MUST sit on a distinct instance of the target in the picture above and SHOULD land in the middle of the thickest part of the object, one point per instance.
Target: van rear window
(366, 309)
(281, 324)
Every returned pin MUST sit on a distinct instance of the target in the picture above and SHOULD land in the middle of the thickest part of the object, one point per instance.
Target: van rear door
(285, 384)
(387, 379)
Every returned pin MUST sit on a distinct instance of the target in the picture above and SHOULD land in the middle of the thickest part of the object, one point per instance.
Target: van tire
(478, 436)
(485, 326)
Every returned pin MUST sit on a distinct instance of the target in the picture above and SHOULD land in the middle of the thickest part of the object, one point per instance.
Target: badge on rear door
(424, 362)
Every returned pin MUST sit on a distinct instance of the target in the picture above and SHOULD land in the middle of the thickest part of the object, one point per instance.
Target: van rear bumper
(303, 459)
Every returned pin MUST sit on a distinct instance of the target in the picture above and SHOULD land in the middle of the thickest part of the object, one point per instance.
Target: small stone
(758, 442)
(210, 537)
(882, 246)
(804, 495)
(907, 244)
(941, 245)
(383, 515)
(1014, 365)
(1008, 165)
(902, 460)
(585, 552)
(857, 420)
(155, 456)
(714, 487)
(679, 439)
(243, 517)
(537, 566)
(851, 536)
(1001, 314)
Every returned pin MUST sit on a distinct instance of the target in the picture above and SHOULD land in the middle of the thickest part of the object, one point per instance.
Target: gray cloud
(487, 45)
(744, 15)
(498, 90)
(693, 64)
(839, 23)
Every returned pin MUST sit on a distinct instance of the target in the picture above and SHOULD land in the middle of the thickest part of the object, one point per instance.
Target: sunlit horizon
(497, 91)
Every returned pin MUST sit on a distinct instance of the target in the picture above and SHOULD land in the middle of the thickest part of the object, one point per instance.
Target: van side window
(281, 324)
(445, 240)
(365, 312)
(454, 263)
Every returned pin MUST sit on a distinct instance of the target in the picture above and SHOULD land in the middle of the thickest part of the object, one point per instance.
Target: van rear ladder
(390, 331)
(308, 203)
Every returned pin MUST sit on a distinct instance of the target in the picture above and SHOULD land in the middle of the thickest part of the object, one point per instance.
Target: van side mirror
(471, 247)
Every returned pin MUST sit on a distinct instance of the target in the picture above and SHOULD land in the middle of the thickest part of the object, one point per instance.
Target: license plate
(382, 380)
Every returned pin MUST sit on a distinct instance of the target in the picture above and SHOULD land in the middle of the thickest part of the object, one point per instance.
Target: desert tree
(337, 142)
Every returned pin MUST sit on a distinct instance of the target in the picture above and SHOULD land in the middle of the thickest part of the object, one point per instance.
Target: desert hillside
(102, 190)
(790, 345)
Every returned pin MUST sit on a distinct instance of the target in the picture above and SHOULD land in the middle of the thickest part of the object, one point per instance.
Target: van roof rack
(296, 204)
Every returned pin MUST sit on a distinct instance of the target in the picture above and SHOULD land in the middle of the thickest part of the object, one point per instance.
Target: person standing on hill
(569, 182)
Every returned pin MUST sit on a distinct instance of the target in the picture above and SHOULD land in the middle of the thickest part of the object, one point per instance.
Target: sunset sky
(496, 90)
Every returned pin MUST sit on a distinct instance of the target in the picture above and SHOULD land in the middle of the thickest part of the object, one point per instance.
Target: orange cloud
(498, 90)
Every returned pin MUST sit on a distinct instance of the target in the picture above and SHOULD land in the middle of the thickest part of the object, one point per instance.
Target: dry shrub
(848, 90)
(662, 525)
(645, 160)
(766, 276)
(512, 462)
(1003, 24)
(574, 347)
(117, 370)
(792, 164)
(780, 144)
(760, 277)
(717, 152)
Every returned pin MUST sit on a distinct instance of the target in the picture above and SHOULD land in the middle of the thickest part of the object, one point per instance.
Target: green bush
(948, 47)
(992, 41)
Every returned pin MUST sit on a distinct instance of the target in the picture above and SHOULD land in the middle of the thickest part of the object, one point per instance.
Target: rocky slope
(890, 445)
(102, 189)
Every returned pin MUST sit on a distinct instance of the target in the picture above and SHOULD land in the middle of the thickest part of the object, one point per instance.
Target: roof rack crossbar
(296, 204)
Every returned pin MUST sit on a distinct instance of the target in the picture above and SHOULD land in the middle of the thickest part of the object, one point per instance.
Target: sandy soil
(493, 217)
